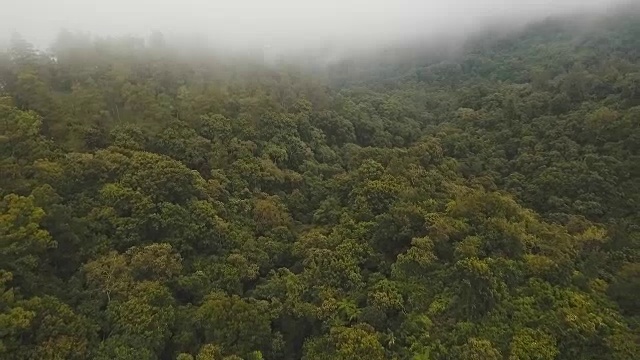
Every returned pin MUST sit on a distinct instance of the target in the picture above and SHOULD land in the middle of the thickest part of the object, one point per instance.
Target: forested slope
(485, 206)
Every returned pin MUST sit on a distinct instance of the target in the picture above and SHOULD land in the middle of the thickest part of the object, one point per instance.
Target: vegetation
(485, 205)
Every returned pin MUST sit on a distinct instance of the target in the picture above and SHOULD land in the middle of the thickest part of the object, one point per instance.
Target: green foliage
(482, 206)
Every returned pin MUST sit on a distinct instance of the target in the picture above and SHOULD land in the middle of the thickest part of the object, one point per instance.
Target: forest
(482, 203)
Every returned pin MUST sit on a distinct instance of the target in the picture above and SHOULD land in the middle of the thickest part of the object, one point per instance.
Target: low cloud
(291, 24)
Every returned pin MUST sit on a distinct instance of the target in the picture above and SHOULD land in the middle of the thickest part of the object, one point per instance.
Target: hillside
(476, 204)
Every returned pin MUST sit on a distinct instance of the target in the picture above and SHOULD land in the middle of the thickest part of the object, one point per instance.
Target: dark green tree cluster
(484, 206)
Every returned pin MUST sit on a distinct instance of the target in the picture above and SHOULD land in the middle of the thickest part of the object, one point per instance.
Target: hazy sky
(277, 22)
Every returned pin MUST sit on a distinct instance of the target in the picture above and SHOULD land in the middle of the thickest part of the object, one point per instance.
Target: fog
(279, 24)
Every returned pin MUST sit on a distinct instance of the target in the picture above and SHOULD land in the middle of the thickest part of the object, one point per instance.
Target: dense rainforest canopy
(482, 204)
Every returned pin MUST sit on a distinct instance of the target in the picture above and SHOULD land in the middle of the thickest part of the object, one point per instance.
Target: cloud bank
(280, 23)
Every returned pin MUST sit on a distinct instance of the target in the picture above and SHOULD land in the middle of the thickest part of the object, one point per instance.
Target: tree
(23, 242)
(239, 326)
(345, 343)
(530, 344)
(476, 349)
